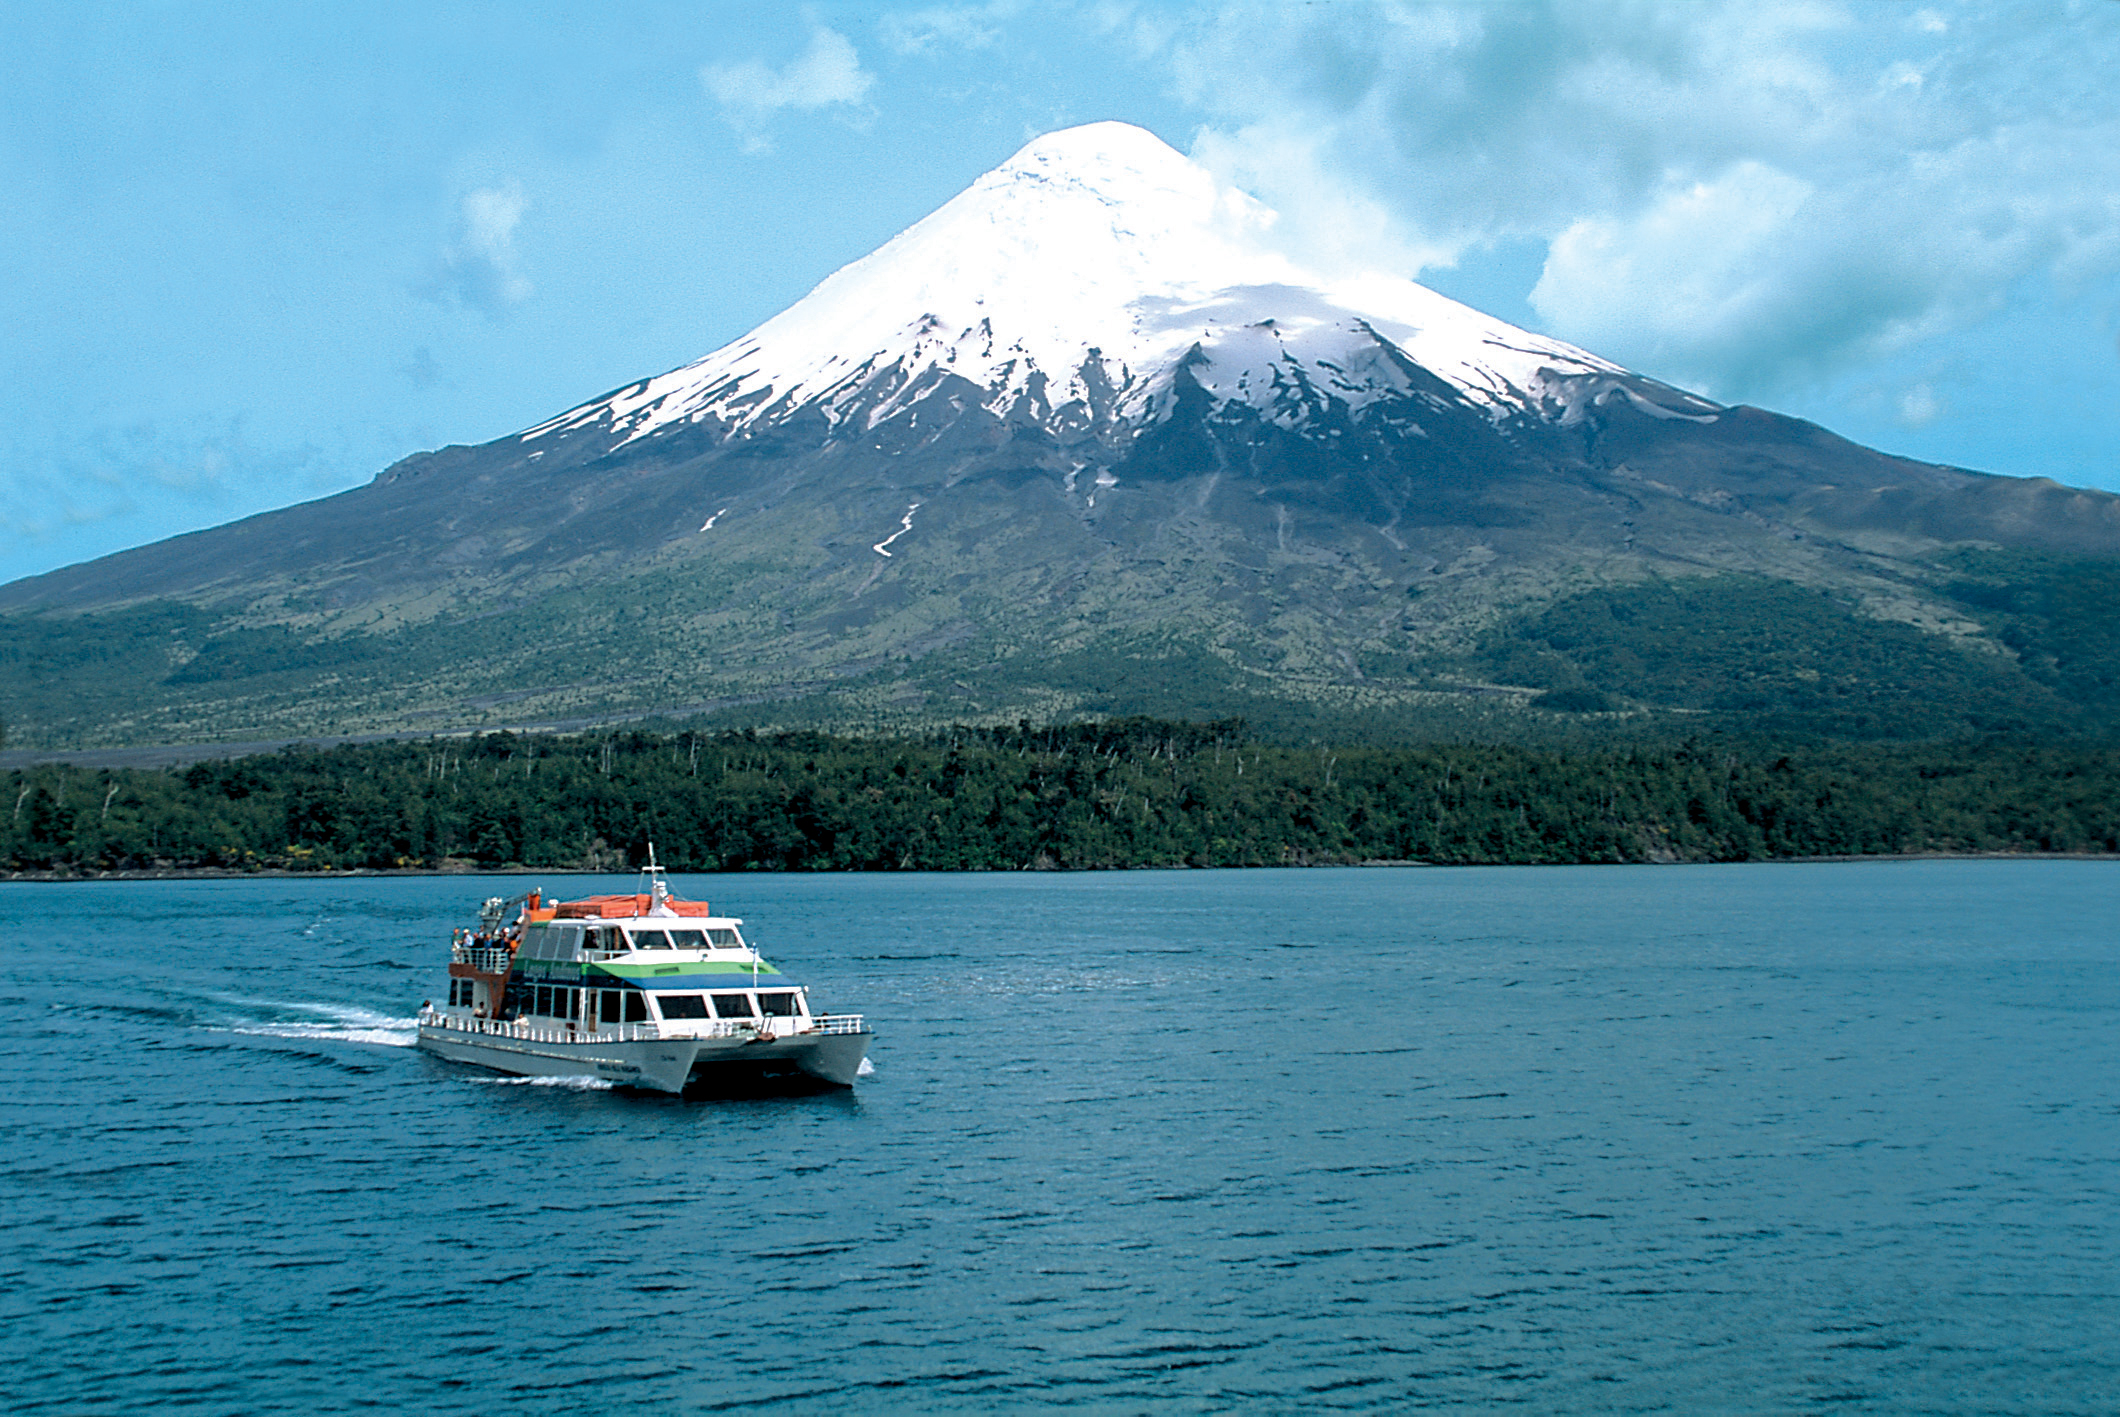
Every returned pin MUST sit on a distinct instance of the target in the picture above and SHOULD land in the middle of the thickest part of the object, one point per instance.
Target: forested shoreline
(1126, 793)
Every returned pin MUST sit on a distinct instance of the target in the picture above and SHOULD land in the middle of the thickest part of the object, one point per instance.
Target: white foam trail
(867, 1069)
(403, 1037)
(573, 1084)
(338, 1023)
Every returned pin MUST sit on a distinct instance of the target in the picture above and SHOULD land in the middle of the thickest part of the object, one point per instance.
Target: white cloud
(1756, 280)
(1744, 198)
(946, 27)
(1695, 271)
(481, 268)
(1919, 406)
(826, 74)
(1333, 225)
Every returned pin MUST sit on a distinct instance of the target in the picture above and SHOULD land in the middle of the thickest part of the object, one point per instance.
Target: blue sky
(253, 253)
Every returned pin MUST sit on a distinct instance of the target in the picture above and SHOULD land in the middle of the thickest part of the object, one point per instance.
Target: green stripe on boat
(656, 972)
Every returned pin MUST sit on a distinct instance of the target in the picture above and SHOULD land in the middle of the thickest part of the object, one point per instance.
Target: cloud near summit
(481, 268)
(1744, 198)
(826, 74)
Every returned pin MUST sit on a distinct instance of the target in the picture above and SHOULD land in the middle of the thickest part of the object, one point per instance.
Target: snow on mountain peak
(1097, 257)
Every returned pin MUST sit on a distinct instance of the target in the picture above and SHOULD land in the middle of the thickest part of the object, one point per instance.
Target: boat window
(732, 1006)
(688, 939)
(724, 939)
(636, 1006)
(681, 1005)
(544, 1001)
(612, 1009)
(650, 940)
(777, 1005)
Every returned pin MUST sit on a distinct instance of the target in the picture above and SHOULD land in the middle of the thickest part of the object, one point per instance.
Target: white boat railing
(547, 1032)
(486, 959)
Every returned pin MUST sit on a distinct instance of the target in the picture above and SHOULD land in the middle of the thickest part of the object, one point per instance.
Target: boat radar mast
(658, 889)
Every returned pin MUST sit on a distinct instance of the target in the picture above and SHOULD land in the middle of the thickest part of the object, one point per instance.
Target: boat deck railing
(486, 959)
(545, 1032)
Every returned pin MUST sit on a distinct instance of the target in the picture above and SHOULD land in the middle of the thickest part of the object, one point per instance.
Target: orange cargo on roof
(622, 906)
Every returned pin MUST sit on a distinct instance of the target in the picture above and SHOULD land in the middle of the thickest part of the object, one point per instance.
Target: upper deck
(653, 938)
(643, 938)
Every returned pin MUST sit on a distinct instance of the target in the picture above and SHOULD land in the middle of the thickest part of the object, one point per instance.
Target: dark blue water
(1598, 1140)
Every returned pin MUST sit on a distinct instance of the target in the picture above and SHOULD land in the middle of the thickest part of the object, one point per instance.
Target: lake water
(1615, 1139)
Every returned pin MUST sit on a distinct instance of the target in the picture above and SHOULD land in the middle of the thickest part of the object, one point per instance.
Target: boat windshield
(650, 940)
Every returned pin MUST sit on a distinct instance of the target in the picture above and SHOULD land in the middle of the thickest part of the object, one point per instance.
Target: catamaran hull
(662, 1064)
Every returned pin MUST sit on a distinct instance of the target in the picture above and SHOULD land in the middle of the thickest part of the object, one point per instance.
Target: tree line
(1125, 793)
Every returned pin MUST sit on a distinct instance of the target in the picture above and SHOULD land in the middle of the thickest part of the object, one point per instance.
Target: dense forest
(1133, 792)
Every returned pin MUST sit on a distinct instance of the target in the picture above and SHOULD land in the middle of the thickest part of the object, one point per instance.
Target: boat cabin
(608, 963)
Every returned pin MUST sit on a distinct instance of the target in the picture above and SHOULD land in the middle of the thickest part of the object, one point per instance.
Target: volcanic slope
(1087, 439)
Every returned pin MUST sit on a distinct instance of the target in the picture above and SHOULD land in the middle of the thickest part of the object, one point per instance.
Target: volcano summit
(1083, 440)
(1082, 284)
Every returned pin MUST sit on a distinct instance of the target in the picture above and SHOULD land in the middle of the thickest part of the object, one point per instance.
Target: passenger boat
(642, 990)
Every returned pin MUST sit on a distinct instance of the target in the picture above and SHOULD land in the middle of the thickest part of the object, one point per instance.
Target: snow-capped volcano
(1071, 284)
(1087, 439)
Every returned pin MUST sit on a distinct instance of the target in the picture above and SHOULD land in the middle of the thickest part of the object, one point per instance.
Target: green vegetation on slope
(2059, 614)
(1733, 654)
(1127, 793)
(1743, 654)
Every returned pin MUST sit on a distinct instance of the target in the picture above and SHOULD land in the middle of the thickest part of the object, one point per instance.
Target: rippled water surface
(1610, 1139)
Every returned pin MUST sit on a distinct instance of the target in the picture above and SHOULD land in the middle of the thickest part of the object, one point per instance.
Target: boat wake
(867, 1069)
(572, 1084)
(334, 1022)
